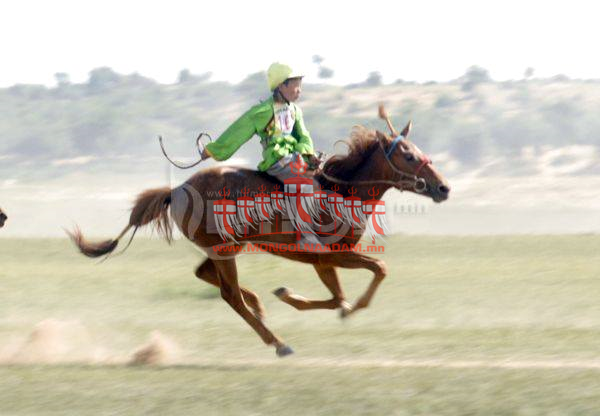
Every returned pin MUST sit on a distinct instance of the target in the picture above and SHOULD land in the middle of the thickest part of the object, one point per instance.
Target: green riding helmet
(278, 73)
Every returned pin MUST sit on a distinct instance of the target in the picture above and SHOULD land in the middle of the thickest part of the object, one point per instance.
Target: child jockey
(280, 125)
(278, 122)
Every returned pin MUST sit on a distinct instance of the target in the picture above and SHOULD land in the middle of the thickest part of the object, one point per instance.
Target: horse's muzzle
(3, 218)
(441, 193)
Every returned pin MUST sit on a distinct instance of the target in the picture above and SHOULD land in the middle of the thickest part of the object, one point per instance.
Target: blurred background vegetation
(114, 118)
(522, 156)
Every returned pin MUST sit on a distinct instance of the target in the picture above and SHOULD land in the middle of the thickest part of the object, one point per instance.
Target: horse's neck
(366, 172)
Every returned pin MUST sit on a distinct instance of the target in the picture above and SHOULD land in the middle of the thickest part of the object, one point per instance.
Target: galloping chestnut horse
(374, 158)
(3, 218)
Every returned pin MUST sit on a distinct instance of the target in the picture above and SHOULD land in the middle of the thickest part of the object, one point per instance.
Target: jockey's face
(292, 90)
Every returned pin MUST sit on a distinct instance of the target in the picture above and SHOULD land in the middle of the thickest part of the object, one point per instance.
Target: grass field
(461, 326)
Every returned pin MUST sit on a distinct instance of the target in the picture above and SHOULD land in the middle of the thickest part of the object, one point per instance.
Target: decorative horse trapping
(234, 217)
(376, 225)
(263, 209)
(277, 202)
(335, 204)
(245, 210)
(321, 200)
(321, 204)
(262, 203)
(225, 215)
(299, 200)
(301, 206)
(352, 209)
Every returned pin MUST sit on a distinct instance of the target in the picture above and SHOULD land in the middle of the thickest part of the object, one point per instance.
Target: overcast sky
(417, 40)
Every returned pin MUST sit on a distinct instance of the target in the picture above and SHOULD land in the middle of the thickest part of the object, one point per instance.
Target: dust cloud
(62, 342)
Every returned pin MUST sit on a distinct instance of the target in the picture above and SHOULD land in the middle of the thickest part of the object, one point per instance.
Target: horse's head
(3, 218)
(410, 168)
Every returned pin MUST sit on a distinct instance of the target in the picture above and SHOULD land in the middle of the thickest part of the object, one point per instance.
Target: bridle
(406, 179)
(418, 183)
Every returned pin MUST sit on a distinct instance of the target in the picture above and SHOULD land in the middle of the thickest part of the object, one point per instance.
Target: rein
(406, 179)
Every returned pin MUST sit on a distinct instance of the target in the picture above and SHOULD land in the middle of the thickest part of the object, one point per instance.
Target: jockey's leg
(282, 169)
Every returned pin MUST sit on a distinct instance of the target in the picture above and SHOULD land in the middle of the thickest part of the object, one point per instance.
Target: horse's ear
(406, 129)
(382, 136)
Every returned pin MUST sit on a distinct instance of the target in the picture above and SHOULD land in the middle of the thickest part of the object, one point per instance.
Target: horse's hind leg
(329, 277)
(208, 272)
(231, 293)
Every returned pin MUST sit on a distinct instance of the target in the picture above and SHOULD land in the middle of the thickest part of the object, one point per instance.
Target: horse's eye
(409, 157)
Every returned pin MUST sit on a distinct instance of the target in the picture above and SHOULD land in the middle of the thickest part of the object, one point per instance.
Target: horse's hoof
(345, 310)
(281, 292)
(284, 350)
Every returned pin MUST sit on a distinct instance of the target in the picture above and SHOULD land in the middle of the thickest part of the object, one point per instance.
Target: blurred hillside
(521, 156)
(112, 121)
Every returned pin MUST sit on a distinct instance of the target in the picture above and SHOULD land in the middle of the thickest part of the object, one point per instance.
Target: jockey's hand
(205, 154)
(313, 161)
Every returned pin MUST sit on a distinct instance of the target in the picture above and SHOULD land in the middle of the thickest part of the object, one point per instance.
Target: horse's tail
(150, 206)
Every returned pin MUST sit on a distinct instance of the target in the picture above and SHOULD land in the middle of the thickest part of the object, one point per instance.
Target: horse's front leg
(353, 260)
(232, 294)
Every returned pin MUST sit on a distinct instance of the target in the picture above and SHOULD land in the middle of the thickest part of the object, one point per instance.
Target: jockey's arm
(300, 132)
(232, 139)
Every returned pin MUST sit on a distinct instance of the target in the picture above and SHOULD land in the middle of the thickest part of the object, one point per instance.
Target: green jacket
(259, 120)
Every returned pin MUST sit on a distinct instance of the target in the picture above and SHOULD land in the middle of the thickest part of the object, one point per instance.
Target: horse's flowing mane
(361, 145)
